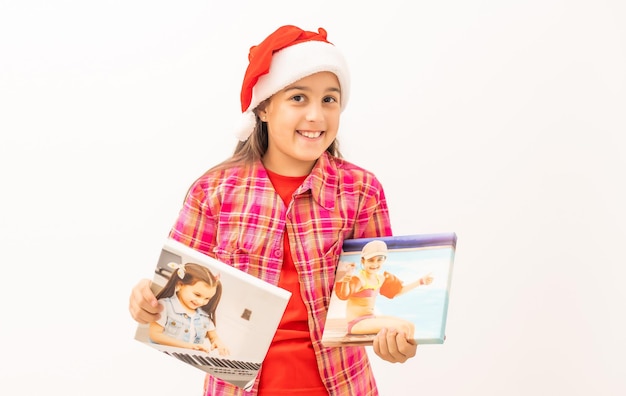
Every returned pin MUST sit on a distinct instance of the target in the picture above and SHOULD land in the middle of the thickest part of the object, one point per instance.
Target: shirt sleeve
(196, 223)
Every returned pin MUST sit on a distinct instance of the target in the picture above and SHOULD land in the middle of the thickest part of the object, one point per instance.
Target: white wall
(502, 121)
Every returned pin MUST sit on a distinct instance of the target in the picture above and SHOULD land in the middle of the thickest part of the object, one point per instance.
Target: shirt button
(278, 253)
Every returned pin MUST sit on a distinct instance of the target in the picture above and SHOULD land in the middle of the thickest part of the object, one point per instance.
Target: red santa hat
(284, 57)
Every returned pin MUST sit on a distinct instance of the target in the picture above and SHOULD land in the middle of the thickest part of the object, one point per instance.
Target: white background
(502, 121)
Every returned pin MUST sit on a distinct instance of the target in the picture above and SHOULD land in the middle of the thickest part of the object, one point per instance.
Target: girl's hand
(393, 346)
(427, 279)
(221, 348)
(348, 270)
(199, 347)
(143, 305)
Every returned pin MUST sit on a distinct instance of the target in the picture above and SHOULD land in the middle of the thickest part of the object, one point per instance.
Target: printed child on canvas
(361, 289)
(190, 299)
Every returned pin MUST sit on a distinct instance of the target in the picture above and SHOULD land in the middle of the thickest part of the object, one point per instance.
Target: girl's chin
(310, 154)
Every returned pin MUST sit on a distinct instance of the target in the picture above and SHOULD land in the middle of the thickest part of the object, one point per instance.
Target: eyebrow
(305, 88)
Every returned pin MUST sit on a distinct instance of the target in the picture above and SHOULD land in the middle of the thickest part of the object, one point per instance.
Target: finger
(143, 316)
(406, 347)
(392, 343)
(148, 295)
(395, 353)
(380, 343)
(143, 304)
(384, 348)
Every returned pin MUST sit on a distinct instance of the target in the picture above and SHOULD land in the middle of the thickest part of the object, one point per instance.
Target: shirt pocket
(175, 328)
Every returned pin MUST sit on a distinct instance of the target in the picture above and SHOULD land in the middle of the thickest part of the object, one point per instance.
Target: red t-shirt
(290, 367)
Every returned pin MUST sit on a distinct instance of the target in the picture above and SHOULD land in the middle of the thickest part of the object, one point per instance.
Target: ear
(261, 113)
(261, 110)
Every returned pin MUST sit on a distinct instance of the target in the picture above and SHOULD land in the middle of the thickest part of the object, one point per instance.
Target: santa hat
(284, 57)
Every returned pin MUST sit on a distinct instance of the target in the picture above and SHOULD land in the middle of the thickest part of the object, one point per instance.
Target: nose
(315, 112)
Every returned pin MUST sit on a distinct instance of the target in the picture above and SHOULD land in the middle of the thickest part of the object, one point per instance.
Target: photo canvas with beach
(246, 318)
(400, 281)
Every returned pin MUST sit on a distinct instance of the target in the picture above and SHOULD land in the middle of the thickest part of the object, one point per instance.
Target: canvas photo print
(400, 282)
(216, 318)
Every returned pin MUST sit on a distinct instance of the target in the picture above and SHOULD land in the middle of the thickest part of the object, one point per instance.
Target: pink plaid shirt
(236, 216)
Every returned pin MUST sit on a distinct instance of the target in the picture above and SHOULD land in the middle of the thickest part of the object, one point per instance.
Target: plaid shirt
(236, 216)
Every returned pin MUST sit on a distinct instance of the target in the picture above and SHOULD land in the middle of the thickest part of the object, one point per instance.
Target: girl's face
(302, 122)
(195, 296)
(373, 264)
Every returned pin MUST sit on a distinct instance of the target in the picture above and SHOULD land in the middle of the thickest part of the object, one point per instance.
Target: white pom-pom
(246, 127)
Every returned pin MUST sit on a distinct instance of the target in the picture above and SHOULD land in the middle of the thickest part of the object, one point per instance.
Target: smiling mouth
(310, 134)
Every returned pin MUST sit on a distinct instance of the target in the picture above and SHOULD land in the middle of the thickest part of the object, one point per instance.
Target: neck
(292, 168)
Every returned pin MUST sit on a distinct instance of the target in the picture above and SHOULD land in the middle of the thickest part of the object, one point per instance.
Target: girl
(190, 299)
(280, 209)
(361, 290)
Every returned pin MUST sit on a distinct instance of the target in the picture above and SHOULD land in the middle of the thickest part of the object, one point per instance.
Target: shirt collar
(323, 181)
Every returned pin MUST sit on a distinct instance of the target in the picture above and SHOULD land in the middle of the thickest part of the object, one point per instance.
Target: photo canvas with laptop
(400, 282)
(240, 309)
